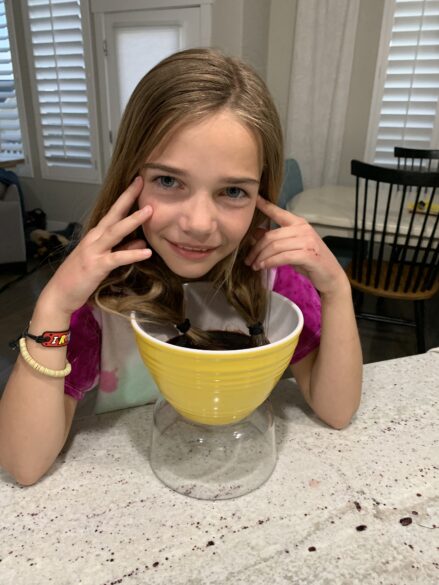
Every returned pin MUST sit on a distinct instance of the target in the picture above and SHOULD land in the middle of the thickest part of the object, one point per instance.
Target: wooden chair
(415, 159)
(395, 250)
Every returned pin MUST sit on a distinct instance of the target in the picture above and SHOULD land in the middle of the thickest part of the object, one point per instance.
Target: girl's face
(202, 185)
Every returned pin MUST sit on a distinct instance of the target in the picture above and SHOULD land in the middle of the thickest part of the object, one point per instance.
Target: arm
(35, 415)
(330, 377)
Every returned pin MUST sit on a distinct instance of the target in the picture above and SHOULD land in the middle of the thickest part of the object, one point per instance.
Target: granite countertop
(358, 506)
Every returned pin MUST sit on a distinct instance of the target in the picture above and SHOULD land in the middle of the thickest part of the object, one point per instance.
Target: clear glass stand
(211, 462)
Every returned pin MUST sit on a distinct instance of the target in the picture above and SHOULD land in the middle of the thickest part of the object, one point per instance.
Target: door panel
(134, 42)
(138, 49)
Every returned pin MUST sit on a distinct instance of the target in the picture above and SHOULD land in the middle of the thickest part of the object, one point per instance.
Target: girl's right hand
(96, 255)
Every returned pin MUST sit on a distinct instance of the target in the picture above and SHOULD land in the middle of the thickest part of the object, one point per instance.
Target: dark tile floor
(379, 341)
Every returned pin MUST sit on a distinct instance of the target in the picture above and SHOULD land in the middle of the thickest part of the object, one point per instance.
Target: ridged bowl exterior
(219, 387)
(215, 387)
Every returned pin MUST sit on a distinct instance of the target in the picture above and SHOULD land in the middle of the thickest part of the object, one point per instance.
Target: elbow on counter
(340, 421)
(339, 424)
(23, 475)
(26, 480)
(342, 417)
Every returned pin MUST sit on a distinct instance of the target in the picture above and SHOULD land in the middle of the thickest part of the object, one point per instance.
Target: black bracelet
(50, 338)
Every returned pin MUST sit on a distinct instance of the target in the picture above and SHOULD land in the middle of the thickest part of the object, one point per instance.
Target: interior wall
(227, 25)
(361, 89)
(280, 53)
(255, 34)
(241, 28)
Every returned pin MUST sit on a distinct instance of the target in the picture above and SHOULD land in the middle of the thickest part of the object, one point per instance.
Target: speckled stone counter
(358, 506)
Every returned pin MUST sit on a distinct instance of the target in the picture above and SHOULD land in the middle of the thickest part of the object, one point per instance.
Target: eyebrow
(182, 173)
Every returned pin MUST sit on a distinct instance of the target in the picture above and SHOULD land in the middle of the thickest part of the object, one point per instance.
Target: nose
(199, 216)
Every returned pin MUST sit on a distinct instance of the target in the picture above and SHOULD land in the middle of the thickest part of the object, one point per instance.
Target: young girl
(196, 170)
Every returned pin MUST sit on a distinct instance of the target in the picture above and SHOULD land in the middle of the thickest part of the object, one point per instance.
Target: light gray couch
(12, 239)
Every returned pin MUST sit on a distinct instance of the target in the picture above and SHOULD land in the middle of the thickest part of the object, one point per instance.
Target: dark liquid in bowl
(220, 341)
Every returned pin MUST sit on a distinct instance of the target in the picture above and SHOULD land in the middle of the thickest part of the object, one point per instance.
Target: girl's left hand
(296, 243)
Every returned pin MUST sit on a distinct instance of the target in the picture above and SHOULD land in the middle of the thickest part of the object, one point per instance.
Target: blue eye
(166, 181)
(235, 193)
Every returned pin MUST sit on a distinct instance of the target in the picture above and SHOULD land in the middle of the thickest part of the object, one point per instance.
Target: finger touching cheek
(147, 211)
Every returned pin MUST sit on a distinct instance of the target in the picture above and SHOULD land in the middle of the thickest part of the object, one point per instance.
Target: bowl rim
(227, 352)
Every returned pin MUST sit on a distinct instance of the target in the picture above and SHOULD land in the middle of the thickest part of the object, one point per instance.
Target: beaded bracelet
(38, 367)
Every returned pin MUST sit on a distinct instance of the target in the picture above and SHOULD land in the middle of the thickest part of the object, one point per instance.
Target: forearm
(336, 375)
(35, 415)
(32, 409)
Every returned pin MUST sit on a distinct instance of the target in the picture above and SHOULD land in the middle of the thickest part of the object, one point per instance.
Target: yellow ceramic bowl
(219, 387)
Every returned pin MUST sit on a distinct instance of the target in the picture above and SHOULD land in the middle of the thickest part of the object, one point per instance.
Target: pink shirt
(87, 352)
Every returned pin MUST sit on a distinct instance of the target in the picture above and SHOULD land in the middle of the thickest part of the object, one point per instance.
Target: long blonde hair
(182, 89)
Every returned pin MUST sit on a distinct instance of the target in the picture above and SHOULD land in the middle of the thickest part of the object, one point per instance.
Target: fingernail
(137, 179)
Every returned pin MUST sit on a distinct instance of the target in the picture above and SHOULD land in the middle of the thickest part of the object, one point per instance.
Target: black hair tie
(256, 329)
(184, 327)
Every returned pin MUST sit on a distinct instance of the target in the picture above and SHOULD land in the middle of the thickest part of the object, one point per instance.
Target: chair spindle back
(396, 234)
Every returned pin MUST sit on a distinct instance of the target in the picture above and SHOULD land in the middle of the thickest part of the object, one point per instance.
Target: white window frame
(378, 87)
(71, 173)
(26, 169)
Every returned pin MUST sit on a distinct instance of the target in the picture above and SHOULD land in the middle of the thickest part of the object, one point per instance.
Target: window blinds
(409, 106)
(10, 135)
(61, 82)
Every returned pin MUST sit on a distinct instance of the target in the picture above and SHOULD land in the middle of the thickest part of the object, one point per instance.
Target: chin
(190, 272)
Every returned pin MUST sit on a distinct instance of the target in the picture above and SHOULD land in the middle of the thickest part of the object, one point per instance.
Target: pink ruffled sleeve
(298, 288)
(83, 352)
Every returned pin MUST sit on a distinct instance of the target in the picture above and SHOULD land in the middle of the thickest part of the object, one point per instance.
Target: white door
(132, 43)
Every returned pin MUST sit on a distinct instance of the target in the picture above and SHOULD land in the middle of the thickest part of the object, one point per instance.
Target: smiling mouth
(191, 249)
(194, 248)
(194, 252)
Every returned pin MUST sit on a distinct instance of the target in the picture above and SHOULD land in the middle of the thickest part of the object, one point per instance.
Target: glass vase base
(213, 462)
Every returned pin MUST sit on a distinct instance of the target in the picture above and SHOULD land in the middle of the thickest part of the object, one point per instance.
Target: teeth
(195, 249)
